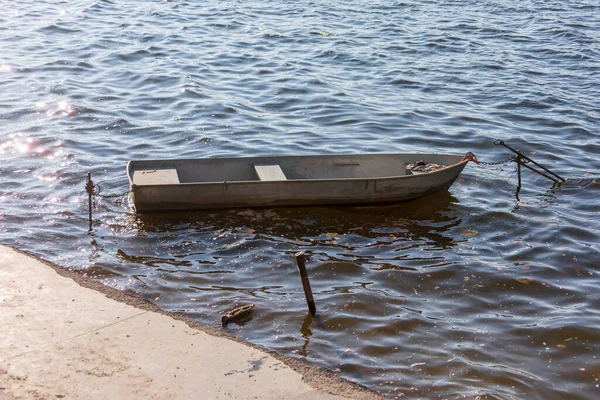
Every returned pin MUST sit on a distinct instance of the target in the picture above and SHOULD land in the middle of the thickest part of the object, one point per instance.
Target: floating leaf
(524, 280)
(561, 346)
(468, 232)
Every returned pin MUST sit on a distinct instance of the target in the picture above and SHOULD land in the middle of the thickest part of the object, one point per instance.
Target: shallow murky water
(473, 292)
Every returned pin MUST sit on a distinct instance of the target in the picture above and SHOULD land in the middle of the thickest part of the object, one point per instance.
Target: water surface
(471, 292)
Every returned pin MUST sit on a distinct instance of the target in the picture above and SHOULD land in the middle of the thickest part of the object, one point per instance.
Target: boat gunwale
(289, 181)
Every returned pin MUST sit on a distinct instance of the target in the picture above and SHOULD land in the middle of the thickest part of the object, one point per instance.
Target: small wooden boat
(350, 179)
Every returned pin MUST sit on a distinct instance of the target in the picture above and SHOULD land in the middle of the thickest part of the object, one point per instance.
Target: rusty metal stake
(523, 162)
(89, 188)
(523, 159)
(519, 174)
(305, 282)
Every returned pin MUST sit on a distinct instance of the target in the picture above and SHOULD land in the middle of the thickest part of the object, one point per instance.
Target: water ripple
(472, 293)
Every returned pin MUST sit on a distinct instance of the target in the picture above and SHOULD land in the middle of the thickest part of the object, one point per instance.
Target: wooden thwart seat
(158, 176)
(269, 172)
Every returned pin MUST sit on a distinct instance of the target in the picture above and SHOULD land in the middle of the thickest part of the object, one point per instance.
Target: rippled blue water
(470, 293)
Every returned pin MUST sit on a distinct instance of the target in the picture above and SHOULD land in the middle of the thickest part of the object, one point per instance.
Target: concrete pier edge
(320, 379)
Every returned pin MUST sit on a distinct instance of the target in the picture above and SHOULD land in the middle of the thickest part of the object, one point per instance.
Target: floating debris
(417, 364)
(468, 232)
(238, 315)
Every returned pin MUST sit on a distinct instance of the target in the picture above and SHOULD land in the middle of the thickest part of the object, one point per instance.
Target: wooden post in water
(305, 282)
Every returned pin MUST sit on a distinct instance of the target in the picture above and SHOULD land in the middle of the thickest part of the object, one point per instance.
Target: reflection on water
(472, 293)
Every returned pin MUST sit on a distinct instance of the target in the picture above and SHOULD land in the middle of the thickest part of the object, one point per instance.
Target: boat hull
(292, 192)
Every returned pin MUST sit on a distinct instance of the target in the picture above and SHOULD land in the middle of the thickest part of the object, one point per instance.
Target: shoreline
(323, 382)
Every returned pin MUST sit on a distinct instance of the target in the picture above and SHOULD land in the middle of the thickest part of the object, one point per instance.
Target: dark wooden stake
(519, 174)
(305, 283)
(88, 187)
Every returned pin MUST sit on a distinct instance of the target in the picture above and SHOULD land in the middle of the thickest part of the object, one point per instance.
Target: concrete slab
(61, 340)
(31, 296)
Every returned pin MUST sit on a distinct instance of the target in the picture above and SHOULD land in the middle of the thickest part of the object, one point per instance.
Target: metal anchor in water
(523, 160)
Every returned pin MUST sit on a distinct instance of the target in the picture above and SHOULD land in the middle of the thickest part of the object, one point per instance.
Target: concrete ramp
(61, 340)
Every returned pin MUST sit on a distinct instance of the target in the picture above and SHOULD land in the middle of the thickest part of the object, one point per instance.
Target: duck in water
(238, 315)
